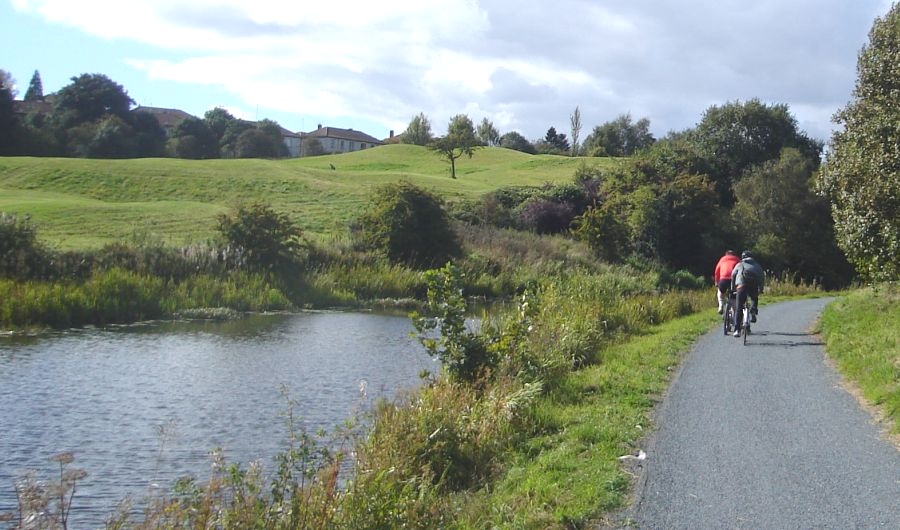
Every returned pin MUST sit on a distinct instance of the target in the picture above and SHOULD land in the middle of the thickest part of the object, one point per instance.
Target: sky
(524, 65)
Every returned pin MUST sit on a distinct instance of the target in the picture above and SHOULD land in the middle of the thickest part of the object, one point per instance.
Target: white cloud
(525, 65)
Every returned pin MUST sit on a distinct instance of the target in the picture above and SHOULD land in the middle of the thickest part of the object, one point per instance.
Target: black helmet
(746, 254)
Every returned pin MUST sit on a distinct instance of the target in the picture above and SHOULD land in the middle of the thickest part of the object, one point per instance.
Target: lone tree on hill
(460, 140)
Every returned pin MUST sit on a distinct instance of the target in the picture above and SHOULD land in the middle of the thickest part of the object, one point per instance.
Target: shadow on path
(771, 338)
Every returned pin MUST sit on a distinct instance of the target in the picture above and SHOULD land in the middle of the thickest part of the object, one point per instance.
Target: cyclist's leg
(740, 301)
(721, 291)
(754, 306)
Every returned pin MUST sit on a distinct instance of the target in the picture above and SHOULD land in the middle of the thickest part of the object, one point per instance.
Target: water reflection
(143, 404)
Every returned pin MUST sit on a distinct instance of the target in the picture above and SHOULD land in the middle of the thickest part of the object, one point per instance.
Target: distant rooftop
(344, 134)
(168, 118)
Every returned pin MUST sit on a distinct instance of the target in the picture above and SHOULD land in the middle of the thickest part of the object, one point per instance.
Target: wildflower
(63, 458)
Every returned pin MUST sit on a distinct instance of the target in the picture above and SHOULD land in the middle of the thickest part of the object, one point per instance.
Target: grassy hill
(80, 203)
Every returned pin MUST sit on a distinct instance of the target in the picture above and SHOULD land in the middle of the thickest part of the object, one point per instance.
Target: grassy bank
(862, 334)
(569, 474)
(86, 203)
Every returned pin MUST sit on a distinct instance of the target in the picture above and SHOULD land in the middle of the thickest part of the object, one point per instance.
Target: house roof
(39, 105)
(343, 134)
(166, 117)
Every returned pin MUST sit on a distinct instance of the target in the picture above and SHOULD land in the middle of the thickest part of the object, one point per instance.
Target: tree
(269, 241)
(786, 224)
(149, 136)
(408, 225)
(418, 132)
(8, 122)
(575, 125)
(88, 98)
(193, 139)
(861, 175)
(737, 136)
(311, 147)
(263, 141)
(553, 143)
(108, 137)
(217, 120)
(487, 133)
(35, 90)
(620, 137)
(228, 140)
(602, 229)
(517, 142)
(666, 206)
(460, 140)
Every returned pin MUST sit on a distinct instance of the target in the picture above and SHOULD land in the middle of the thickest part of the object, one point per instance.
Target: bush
(546, 216)
(408, 225)
(21, 256)
(268, 241)
(464, 354)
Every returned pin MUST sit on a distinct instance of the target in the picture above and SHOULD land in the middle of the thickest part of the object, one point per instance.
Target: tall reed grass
(118, 296)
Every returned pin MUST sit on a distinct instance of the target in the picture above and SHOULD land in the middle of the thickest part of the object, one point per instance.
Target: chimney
(392, 133)
(319, 126)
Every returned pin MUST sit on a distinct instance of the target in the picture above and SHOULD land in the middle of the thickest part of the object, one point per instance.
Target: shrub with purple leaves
(546, 216)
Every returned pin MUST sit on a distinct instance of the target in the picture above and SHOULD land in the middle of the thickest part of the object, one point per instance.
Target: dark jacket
(737, 275)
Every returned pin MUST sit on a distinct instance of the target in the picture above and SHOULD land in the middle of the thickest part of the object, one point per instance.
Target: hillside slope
(80, 203)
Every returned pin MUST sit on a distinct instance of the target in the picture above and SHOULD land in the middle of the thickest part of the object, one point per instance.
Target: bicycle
(728, 314)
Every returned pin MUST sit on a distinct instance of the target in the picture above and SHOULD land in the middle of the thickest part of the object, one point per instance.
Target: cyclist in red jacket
(722, 276)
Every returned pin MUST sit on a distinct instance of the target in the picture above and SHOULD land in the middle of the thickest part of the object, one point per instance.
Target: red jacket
(724, 267)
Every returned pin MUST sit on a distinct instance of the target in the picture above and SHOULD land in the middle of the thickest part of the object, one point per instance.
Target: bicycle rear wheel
(727, 318)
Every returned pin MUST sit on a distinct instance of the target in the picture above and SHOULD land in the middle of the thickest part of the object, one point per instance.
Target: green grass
(86, 203)
(862, 334)
(572, 476)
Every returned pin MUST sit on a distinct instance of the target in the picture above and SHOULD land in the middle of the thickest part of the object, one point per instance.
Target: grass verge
(862, 335)
(571, 476)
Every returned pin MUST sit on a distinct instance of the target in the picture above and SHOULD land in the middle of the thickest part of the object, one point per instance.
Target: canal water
(141, 406)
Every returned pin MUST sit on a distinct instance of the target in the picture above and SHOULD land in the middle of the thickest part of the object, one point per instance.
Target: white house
(335, 140)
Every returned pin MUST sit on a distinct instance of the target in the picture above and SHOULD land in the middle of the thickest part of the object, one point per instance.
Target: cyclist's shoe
(721, 310)
(752, 317)
(737, 333)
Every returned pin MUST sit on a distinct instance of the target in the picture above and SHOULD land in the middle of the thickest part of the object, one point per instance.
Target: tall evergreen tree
(35, 90)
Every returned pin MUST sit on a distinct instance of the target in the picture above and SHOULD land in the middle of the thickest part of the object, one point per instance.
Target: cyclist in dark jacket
(747, 280)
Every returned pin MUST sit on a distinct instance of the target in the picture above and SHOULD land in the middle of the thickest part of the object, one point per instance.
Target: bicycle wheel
(727, 318)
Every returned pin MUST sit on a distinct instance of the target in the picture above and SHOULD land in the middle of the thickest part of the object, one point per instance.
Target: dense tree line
(92, 117)
(742, 178)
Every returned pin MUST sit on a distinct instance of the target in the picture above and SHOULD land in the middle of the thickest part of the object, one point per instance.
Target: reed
(118, 296)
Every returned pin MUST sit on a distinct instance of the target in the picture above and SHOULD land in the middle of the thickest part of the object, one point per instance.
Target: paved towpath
(763, 437)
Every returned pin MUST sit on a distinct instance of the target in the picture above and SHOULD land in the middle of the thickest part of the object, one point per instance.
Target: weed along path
(764, 436)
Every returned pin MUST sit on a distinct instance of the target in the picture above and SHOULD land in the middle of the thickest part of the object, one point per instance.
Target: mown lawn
(80, 203)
